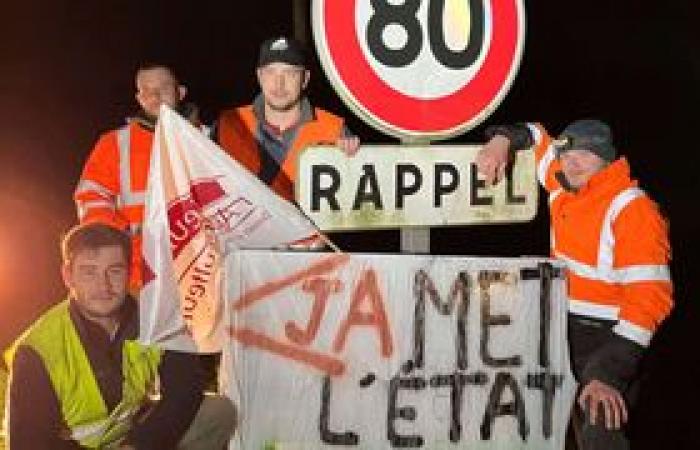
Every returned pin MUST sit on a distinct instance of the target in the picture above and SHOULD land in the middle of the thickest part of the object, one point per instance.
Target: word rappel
(405, 186)
(444, 180)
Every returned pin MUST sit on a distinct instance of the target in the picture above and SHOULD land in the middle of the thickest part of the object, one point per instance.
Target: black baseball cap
(282, 49)
(588, 134)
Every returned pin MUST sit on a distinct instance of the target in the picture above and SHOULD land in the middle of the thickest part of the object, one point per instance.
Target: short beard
(285, 107)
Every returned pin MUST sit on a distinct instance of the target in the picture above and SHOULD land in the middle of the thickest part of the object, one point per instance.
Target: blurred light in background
(33, 215)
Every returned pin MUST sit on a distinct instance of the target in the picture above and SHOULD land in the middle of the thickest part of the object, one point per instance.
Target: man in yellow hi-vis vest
(78, 377)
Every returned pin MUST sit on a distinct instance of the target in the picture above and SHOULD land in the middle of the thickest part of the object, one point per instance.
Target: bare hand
(596, 394)
(492, 159)
(349, 145)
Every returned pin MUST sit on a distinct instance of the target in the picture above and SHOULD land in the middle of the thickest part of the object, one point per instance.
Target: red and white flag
(201, 204)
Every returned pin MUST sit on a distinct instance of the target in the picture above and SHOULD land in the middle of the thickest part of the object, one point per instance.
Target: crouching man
(80, 379)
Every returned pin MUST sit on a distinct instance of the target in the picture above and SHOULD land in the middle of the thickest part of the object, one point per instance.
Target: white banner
(395, 351)
(200, 202)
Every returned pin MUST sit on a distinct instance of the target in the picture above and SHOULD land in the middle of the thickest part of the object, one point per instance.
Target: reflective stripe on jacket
(238, 133)
(614, 242)
(113, 183)
(55, 339)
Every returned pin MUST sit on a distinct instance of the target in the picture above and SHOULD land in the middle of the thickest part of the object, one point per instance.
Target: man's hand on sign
(492, 159)
(597, 394)
(349, 145)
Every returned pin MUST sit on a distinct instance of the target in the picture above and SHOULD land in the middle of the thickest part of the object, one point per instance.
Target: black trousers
(586, 336)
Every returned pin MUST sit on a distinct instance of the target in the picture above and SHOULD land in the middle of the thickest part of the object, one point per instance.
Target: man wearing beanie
(267, 136)
(614, 243)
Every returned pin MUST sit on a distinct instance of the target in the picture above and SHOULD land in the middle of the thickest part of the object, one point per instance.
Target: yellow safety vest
(54, 338)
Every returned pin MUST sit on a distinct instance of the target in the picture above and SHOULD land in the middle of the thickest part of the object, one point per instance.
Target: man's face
(155, 87)
(98, 281)
(580, 165)
(282, 85)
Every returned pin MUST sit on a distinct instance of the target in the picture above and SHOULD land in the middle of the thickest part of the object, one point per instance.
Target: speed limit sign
(420, 69)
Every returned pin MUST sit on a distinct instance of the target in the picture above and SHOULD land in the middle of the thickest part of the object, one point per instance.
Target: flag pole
(330, 243)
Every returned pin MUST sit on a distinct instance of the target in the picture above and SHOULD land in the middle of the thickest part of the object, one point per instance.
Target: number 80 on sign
(420, 69)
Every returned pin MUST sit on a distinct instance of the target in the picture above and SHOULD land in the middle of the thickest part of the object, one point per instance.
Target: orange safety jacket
(113, 183)
(614, 242)
(112, 187)
(238, 134)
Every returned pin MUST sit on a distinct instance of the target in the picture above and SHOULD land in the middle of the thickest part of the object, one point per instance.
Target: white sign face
(420, 68)
(410, 186)
(377, 352)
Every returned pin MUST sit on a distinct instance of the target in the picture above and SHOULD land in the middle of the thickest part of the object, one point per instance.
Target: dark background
(66, 75)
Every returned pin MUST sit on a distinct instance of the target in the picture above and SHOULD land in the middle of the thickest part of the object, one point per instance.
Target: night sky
(66, 75)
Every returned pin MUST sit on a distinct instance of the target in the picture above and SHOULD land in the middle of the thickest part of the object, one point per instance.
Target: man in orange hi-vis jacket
(112, 186)
(614, 242)
(267, 136)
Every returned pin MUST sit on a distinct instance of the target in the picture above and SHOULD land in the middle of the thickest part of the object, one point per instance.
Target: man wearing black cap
(614, 243)
(267, 136)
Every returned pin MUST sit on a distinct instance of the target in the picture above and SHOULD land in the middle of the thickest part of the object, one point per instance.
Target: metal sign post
(415, 240)
(301, 22)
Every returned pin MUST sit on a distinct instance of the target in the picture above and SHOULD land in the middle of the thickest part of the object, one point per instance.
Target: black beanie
(588, 134)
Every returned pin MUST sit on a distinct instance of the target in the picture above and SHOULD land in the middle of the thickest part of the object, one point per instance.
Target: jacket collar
(91, 332)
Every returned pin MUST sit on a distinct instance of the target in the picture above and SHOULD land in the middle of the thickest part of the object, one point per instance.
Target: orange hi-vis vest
(238, 135)
(614, 243)
(112, 186)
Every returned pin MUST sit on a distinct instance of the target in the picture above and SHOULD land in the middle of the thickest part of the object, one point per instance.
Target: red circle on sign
(403, 115)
